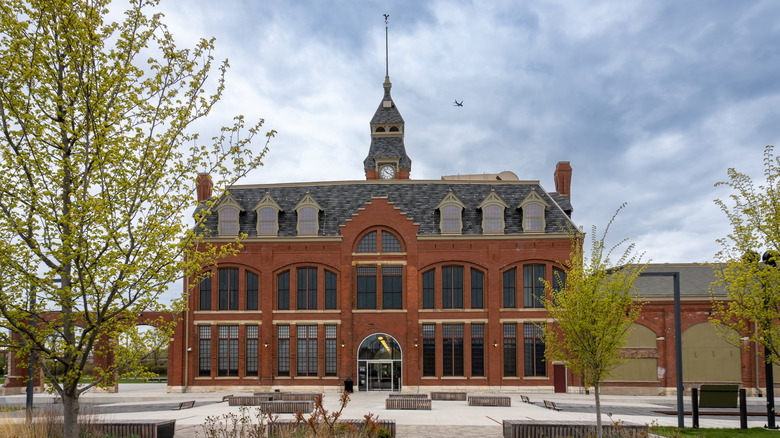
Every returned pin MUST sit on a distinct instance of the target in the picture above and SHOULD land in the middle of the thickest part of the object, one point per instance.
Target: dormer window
(228, 211)
(267, 216)
(308, 216)
(394, 129)
(450, 209)
(380, 129)
(533, 212)
(493, 214)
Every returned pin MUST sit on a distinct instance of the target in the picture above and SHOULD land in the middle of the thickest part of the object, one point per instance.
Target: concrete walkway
(445, 419)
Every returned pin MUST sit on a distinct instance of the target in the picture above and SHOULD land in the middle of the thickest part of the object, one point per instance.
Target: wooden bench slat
(489, 400)
(448, 395)
(551, 405)
(408, 403)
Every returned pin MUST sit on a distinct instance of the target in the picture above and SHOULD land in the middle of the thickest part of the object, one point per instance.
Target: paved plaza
(445, 419)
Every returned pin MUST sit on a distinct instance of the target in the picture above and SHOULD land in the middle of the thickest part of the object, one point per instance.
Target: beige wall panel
(640, 336)
(708, 357)
(636, 370)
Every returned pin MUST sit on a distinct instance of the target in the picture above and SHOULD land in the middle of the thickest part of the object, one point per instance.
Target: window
(452, 287)
(394, 129)
(509, 288)
(331, 288)
(533, 286)
(449, 209)
(392, 285)
(267, 221)
(251, 291)
(428, 289)
(366, 287)
(267, 216)
(307, 288)
(307, 350)
(228, 289)
(308, 216)
(390, 243)
(450, 219)
(228, 221)
(559, 283)
(283, 350)
(380, 129)
(533, 348)
(477, 350)
(510, 350)
(477, 287)
(493, 213)
(452, 347)
(205, 294)
(283, 290)
(251, 350)
(228, 350)
(307, 221)
(429, 349)
(368, 243)
(331, 350)
(533, 212)
(204, 350)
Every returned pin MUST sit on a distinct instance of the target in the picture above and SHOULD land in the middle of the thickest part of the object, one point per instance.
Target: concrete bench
(448, 396)
(298, 396)
(489, 400)
(157, 380)
(525, 399)
(269, 395)
(184, 405)
(407, 395)
(290, 427)
(551, 405)
(408, 403)
(135, 428)
(558, 429)
(285, 406)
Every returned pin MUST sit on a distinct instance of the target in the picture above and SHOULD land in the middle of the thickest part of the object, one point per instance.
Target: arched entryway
(379, 363)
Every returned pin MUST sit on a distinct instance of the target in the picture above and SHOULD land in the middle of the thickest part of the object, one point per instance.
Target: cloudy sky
(650, 101)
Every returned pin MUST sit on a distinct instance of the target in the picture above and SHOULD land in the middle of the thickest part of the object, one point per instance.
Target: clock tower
(387, 157)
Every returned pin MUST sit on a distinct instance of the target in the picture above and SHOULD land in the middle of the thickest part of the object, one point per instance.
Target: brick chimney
(204, 186)
(562, 177)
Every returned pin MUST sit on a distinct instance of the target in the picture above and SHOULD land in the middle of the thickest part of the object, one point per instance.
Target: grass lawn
(713, 433)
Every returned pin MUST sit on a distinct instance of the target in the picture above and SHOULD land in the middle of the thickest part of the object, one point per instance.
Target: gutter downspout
(186, 336)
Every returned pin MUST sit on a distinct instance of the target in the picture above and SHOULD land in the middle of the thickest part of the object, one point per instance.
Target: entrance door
(379, 364)
(559, 378)
(381, 376)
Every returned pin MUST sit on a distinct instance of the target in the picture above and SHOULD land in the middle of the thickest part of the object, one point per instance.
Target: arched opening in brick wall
(379, 363)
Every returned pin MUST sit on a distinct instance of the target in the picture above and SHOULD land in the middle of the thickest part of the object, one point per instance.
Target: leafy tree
(752, 287)
(99, 164)
(592, 309)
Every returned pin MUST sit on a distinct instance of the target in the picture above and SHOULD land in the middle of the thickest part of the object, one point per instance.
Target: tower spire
(387, 55)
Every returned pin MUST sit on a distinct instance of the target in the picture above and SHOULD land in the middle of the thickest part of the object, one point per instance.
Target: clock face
(387, 172)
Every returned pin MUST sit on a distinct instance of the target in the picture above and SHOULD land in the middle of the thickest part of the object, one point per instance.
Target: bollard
(742, 409)
(695, 407)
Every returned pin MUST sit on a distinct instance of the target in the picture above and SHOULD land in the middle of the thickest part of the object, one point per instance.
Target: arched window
(380, 129)
(533, 207)
(393, 129)
(493, 213)
(370, 243)
(450, 209)
(308, 215)
(228, 210)
(267, 216)
(367, 243)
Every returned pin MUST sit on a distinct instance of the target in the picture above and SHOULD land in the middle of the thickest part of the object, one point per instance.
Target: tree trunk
(599, 432)
(70, 412)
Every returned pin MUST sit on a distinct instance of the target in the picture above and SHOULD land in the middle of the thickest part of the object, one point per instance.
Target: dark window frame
(428, 289)
(533, 351)
(283, 290)
(252, 350)
(283, 350)
(477, 350)
(533, 285)
(228, 288)
(429, 350)
(510, 349)
(227, 350)
(331, 289)
(452, 350)
(307, 288)
(252, 289)
(204, 350)
(477, 288)
(204, 295)
(509, 285)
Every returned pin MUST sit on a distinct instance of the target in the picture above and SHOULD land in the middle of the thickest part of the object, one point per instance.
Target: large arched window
(379, 241)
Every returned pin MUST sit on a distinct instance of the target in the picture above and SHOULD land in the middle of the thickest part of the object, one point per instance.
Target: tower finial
(387, 62)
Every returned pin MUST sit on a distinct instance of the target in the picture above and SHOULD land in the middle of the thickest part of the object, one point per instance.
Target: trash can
(349, 385)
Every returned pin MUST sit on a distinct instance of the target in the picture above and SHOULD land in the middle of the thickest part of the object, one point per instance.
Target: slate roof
(387, 147)
(695, 280)
(387, 115)
(418, 199)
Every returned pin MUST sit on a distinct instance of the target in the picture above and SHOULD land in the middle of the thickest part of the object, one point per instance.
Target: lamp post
(677, 341)
(769, 259)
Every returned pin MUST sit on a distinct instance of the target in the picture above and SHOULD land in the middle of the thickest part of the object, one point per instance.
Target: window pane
(510, 350)
(268, 217)
(283, 350)
(251, 350)
(251, 291)
(533, 224)
(368, 243)
(283, 290)
(533, 286)
(390, 243)
(307, 220)
(228, 220)
(477, 350)
(228, 289)
(205, 294)
(366, 288)
(204, 350)
(331, 287)
(450, 219)
(494, 215)
(477, 285)
(509, 288)
(429, 349)
(428, 289)
(307, 288)
(533, 347)
(392, 286)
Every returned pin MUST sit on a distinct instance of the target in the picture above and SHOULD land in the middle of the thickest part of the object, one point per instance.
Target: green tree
(593, 309)
(99, 162)
(752, 287)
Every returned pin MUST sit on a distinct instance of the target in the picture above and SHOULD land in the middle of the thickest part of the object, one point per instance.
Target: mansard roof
(416, 198)
(387, 147)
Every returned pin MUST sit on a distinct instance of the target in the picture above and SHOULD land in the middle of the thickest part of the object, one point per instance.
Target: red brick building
(390, 282)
